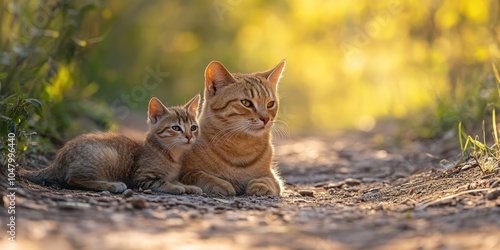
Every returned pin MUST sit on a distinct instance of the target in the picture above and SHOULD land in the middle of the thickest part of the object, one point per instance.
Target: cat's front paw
(193, 189)
(262, 186)
(175, 189)
(223, 188)
(117, 187)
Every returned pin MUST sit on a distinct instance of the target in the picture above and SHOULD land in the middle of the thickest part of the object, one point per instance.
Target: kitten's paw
(117, 187)
(193, 189)
(224, 189)
(261, 187)
(176, 189)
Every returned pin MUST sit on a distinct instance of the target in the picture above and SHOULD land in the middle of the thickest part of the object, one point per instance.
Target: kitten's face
(242, 102)
(175, 126)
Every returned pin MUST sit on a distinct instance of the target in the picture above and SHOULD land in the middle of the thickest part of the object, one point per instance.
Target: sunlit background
(350, 64)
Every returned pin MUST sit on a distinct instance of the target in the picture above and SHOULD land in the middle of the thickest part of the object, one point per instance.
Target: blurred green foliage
(349, 62)
(43, 94)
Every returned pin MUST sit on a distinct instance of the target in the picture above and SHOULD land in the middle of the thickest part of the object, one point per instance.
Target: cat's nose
(265, 120)
(188, 137)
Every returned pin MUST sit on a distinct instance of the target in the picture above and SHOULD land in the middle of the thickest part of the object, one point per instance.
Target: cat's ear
(216, 76)
(156, 110)
(192, 105)
(274, 75)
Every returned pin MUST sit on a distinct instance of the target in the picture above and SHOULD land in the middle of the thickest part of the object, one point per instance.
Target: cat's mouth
(259, 129)
(188, 143)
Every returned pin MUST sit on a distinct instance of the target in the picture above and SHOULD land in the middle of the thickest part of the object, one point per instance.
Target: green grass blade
(460, 137)
(484, 133)
(494, 123)
(477, 143)
(497, 76)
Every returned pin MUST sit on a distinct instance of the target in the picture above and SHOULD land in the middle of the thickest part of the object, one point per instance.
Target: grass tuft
(487, 157)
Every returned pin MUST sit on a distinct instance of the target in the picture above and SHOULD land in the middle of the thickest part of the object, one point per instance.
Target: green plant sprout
(486, 157)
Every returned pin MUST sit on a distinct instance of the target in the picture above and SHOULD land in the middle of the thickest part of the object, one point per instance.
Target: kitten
(113, 162)
(233, 154)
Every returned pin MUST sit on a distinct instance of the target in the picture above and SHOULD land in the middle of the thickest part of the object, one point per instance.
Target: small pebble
(309, 193)
(237, 204)
(321, 184)
(128, 193)
(172, 203)
(193, 215)
(173, 215)
(493, 195)
(335, 185)
(370, 180)
(262, 223)
(467, 166)
(331, 191)
(148, 191)
(105, 193)
(495, 183)
(139, 203)
(352, 182)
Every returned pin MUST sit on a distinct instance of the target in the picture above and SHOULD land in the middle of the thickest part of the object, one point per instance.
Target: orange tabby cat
(233, 154)
(113, 162)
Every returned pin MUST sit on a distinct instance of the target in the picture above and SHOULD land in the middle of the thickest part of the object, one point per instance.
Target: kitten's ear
(216, 75)
(156, 110)
(274, 75)
(192, 105)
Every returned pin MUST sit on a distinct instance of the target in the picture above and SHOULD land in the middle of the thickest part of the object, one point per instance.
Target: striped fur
(234, 154)
(113, 162)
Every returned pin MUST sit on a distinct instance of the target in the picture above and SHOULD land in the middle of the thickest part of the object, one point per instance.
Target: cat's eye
(246, 103)
(194, 127)
(270, 104)
(176, 128)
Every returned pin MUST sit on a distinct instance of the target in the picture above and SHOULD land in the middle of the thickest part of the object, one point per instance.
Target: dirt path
(341, 193)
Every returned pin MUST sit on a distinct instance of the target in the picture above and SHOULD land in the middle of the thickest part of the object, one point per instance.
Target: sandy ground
(344, 192)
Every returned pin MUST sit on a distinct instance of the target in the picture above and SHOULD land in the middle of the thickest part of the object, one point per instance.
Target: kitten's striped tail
(42, 177)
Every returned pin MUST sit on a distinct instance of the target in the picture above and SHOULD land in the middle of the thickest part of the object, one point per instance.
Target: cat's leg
(210, 184)
(96, 185)
(264, 186)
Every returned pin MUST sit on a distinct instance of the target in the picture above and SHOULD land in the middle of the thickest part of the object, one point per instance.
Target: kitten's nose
(188, 137)
(265, 120)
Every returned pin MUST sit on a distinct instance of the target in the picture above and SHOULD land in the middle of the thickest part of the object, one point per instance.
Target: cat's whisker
(280, 130)
(224, 132)
(234, 133)
(231, 132)
(281, 133)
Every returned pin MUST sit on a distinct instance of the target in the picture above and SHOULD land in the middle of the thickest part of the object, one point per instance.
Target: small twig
(430, 203)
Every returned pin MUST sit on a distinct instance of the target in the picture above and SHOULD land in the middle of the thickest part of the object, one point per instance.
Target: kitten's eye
(246, 103)
(270, 104)
(176, 128)
(194, 128)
